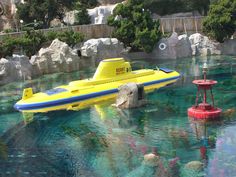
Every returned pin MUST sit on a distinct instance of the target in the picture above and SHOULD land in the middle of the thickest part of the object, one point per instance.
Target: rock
(194, 165)
(183, 47)
(56, 23)
(102, 48)
(229, 47)
(58, 57)
(100, 14)
(151, 160)
(15, 68)
(130, 95)
(175, 47)
(202, 45)
(70, 17)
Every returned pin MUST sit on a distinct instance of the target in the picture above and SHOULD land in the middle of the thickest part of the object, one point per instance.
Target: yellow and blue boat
(110, 74)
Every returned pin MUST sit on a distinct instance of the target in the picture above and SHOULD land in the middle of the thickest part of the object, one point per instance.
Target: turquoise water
(102, 141)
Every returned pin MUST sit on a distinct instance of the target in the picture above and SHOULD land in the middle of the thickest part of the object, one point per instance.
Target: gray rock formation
(130, 95)
(229, 47)
(173, 47)
(102, 48)
(202, 45)
(16, 68)
(58, 57)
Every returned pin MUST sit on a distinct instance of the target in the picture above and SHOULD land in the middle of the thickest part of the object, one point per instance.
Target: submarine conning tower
(109, 68)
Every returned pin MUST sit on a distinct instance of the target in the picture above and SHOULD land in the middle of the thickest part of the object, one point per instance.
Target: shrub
(134, 26)
(82, 17)
(220, 23)
(32, 41)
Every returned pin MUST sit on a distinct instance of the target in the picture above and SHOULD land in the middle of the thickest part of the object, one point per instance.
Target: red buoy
(204, 110)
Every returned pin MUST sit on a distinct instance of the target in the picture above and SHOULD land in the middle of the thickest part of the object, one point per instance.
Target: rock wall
(59, 57)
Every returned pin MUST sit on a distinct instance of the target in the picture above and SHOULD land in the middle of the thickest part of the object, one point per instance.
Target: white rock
(15, 68)
(102, 48)
(202, 45)
(100, 14)
(58, 57)
(70, 17)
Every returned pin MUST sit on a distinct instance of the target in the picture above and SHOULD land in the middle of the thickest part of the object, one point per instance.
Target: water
(101, 141)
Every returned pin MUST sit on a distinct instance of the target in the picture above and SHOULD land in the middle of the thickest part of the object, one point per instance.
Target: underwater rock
(194, 165)
(229, 113)
(15, 68)
(151, 160)
(130, 95)
(202, 45)
(102, 48)
(58, 57)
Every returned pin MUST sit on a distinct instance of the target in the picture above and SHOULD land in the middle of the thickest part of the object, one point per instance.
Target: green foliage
(43, 11)
(70, 37)
(134, 26)
(32, 41)
(163, 7)
(220, 23)
(88, 3)
(82, 16)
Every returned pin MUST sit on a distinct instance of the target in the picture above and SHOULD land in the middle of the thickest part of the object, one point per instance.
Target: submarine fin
(27, 93)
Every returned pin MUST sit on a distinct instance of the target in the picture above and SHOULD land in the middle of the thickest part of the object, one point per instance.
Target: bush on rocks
(32, 41)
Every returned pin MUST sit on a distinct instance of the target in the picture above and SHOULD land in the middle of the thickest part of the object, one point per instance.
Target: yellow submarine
(110, 74)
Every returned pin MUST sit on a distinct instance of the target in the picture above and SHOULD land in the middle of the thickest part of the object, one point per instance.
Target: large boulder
(100, 14)
(202, 45)
(173, 47)
(15, 68)
(102, 48)
(229, 47)
(58, 57)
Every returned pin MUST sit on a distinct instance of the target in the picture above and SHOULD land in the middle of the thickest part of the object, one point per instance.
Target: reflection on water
(103, 141)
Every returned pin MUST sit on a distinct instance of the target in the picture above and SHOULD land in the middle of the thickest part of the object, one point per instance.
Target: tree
(43, 11)
(82, 16)
(134, 26)
(220, 23)
(163, 7)
(88, 3)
